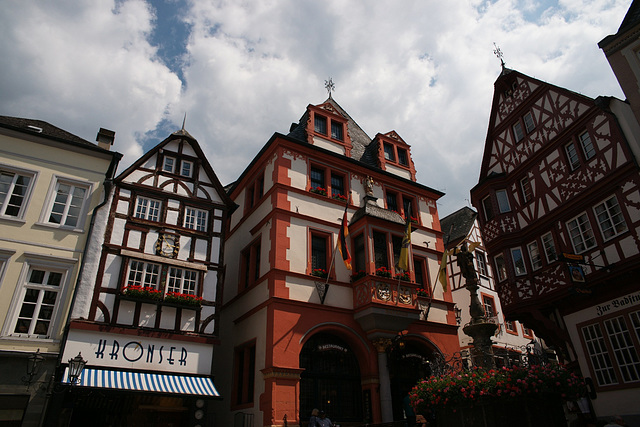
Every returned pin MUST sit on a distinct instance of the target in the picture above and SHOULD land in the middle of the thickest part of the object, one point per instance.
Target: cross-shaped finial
(499, 54)
(329, 86)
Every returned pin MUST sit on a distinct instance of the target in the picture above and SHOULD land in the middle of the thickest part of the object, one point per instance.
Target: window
(380, 249)
(487, 208)
(187, 169)
(610, 218)
(518, 261)
(501, 268)
(182, 281)
(143, 274)
(337, 185)
(14, 191)
(396, 243)
(419, 267)
(528, 122)
(510, 326)
(319, 245)
(572, 155)
(169, 164)
(581, 234)
(407, 205)
(403, 159)
(389, 153)
(317, 177)
(359, 255)
(250, 265)
(527, 191)
(38, 302)
(67, 205)
(336, 130)
(612, 348)
(255, 190)
(489, 306)
(392, 201)
(320, 124)
(244, 368)
(148, 209)
(549, 248)
(587, 146)
(503, 201)
(534, 255)
(527, 332)
(481, 262)
(518, 132)
(195, 219)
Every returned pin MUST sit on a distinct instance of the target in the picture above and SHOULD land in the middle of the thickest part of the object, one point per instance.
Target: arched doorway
(408, 363)
(330, 380)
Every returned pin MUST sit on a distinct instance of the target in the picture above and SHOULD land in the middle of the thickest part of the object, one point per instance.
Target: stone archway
(331, 379)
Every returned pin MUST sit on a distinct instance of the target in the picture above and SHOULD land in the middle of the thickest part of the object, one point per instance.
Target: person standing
(313, 421)
(409, 413)
(323, 421)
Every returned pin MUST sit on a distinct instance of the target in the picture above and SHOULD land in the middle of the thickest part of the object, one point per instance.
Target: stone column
(381, 345)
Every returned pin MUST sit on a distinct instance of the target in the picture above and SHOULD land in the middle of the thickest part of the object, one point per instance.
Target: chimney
(105, 138)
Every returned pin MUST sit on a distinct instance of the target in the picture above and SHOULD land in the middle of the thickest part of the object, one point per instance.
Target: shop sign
(135, 352)
(618, 304)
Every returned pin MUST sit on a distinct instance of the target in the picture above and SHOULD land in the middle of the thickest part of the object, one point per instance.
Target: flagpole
(333, 256)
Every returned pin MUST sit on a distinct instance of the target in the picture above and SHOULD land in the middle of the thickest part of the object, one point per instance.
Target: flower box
(183, 299)
(422, 293)
(357, 276)
(319, 272)
(142, 293)
(319, 190)
(383, 272)
(340, 197)
(406, 277)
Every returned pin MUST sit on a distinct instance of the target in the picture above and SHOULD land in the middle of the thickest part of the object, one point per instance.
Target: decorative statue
(368, 186)
(465, 263)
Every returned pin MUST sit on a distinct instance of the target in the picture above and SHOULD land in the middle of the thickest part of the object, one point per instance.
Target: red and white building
(559, 207)
(352, 343)
(146, 308)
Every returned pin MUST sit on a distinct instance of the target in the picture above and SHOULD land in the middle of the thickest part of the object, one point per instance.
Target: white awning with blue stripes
(144, 381)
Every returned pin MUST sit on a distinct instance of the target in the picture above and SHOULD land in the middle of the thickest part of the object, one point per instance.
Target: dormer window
(336, 130)
(169, 164)
(403, 159)
(389, 152)
(320, 124)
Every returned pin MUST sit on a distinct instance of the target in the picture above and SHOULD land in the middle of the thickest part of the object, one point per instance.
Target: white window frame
(529, 124)
(169, 164)
(525, 184)
(26, 197)
(52, 199)
(148, 277)
(534, 255)
(144, 211)
(503, 201)
(182, 281)
(63, 266)
(481, 262)
(501, 268)
(612, 215)
(518, 261)
(196, 219)
(548, 245)
(189, 172)
(586, 143)
(487, 208)
(518, 131)
(581, 233)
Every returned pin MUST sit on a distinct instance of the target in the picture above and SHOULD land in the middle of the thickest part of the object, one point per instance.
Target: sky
(241, 70)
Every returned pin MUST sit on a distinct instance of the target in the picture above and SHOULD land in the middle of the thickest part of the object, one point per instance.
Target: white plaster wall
(328, 145)
(125, 312)
(185, 247)
(168, 318)
(398, 171)
(147, 315)
(207, 311)
(111, 274)
(217, 226)
(297, 172)
(215, 250)
(200, 251)
(134, 239)
(188, 320)
(150, 243)
(210, 285)
(117, 234)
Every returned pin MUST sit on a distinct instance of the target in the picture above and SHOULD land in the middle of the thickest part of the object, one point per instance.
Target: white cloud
(424, 69)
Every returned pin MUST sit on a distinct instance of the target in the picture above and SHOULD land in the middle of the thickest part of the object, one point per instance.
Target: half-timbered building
(145, 316)
(513, 343)
(559, 206)
(299, 329)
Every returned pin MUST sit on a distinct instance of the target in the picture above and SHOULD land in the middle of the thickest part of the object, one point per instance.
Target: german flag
(342, 240)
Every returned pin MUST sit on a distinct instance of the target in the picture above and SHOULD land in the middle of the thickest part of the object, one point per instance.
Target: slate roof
(631, 19)
(362, 148)
(39, 127)
(456, 226)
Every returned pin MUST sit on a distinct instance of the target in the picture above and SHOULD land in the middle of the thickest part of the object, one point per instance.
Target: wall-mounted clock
(168, 245)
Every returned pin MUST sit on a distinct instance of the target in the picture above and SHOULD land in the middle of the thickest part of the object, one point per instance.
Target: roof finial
(497, 52)
(184, 120)
(329, 86)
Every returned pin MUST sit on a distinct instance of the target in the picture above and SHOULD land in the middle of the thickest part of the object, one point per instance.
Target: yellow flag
(472, 246)
(442, 271)
(403, 262)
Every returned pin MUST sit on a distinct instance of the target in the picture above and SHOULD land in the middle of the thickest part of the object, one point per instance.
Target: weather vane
(329, 86)
(499, 54)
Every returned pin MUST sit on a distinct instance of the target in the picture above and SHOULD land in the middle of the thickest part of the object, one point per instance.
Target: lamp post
(458, 312)
(33, 366)
(76, 365)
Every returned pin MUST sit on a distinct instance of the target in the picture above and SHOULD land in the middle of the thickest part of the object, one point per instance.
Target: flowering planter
(319, 190)
(383, 272)
(183, 300)
(319, 272)
(138, 293)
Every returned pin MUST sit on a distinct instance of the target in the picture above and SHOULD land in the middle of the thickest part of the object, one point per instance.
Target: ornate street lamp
(458, 312)
(33, 366)
(76, 365)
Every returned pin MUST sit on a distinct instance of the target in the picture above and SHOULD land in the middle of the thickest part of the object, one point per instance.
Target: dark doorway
(408, 363)
(330, 380)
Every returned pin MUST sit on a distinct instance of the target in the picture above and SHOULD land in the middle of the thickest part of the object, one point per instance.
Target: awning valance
(144, 381)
